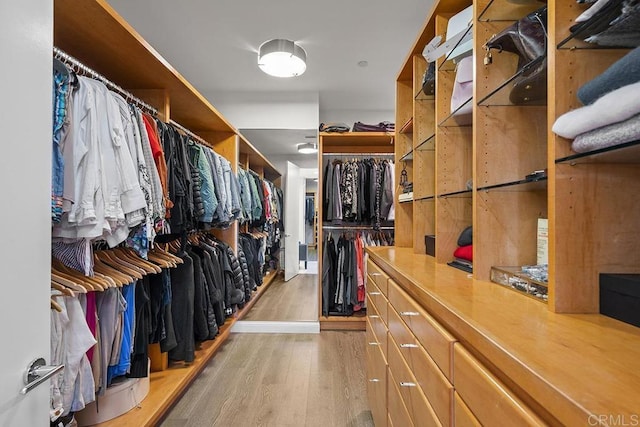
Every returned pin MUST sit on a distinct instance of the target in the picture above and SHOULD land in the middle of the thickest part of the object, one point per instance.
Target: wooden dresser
(444, 349)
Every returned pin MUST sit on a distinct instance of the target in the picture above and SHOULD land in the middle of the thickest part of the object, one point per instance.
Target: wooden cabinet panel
(378, 298)
(419, 408)
(377, 385)
(486, 396)
(371, 339)
(435, 386)
(398, 414)
(378, 276)
(433, 337)
(463, 417)
(378, 327)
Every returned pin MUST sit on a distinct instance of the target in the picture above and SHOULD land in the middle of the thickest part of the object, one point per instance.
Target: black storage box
(430, 243)
(620, 297)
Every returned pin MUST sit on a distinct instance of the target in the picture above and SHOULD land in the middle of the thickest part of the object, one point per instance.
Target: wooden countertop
(584, 369)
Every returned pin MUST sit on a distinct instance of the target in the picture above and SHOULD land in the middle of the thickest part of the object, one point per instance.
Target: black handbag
(380, 127)
(526, 38)
(429, 79)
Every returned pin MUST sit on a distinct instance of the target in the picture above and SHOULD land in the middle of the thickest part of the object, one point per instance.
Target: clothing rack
(357, 227)
(360, 154)
(83, 69)
(190, 133)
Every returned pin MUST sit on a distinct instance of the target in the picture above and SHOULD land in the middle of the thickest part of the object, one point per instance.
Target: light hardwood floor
(292, 301)
(280, 380)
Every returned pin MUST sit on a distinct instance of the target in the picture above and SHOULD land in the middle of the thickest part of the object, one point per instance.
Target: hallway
(278, 379)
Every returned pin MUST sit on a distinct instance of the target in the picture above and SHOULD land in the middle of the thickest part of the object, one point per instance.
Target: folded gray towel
(613, 107)
(608, 136)
(623, 72)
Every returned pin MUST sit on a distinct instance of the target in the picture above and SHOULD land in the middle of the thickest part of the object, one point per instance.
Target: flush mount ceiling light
(282, 58)
(307, 148)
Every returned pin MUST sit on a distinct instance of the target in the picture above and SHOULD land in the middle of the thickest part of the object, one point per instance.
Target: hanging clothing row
(122, 178)
(359, 190)
(344, 270)
(121, 175)
(102, 337)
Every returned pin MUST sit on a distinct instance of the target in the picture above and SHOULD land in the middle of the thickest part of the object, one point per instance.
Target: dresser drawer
(486, 396)
(375, 295)
(462, 414)
(419, 408)
(378, 276)
(435, 386)
(434, 338)
(375, 323)
(377, 385)
(398, 414)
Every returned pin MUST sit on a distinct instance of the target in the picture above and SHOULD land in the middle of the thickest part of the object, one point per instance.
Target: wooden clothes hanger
(160, 251)
(65, 282)
(107, 258)
(91, 283)
(55, 306)
(135, 259)
(120, 277)
(60, 287)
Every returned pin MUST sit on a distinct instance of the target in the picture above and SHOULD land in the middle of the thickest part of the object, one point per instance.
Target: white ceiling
(214, 45)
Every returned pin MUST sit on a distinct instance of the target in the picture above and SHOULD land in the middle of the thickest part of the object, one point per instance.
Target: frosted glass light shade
(307, 148)
(282, 58)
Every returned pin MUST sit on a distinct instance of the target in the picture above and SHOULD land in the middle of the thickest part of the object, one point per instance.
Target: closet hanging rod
(359, 154)
(70, 60)
(190, 133)
(357, 227)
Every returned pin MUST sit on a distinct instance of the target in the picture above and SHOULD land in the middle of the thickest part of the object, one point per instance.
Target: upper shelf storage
(94, 33)
(357, 142)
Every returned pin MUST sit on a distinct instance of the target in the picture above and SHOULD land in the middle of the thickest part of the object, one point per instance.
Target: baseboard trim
(273, 327)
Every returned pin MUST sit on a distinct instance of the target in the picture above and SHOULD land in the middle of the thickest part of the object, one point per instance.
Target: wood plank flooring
(280, 380)
(295, 300)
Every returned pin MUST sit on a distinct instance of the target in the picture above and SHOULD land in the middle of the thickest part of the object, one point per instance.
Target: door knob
(38, 372)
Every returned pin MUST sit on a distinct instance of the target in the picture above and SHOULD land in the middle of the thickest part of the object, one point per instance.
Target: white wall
(26, 41)
(268, 110)
(305, 161)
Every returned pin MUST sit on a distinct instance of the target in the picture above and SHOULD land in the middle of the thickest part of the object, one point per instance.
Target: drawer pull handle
(408, 345)
(409, 313)
(374, 343)
(407, 384)
(375, 293)
(375, 274)
(374, 316)
(374, 380)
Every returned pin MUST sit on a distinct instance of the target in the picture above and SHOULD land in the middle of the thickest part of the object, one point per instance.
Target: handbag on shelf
(380, 127)
(459, 42)
(429, 79)
(463, 88)
(527, 38)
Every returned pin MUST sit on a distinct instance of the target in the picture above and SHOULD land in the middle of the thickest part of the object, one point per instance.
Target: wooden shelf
(343, 323)
(407, 127)
(256, 160)
(168, 386)
(362, 141)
